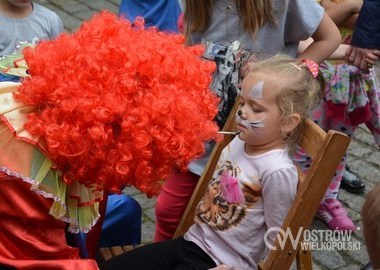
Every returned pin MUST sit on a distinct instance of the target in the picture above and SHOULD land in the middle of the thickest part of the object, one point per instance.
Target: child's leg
(172, 254)
(347, 128)
(320, 116)
(171, 203)
(331, 210)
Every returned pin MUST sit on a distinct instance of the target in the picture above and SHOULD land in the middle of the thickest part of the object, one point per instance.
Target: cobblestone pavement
(363, 156)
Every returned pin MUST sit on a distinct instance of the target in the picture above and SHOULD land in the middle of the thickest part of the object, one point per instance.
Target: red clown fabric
(29, 238)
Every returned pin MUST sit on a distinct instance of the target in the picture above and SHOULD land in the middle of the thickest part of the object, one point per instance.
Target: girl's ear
(290, 123)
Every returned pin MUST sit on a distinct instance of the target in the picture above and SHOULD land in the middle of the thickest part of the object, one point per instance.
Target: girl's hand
(362, 58)
(372, 56)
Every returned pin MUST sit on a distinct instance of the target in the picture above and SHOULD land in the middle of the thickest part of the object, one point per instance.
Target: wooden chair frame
(326, 151)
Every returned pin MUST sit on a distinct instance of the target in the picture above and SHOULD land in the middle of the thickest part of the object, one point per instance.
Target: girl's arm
(344, 13)
(326, 41)
(338, 54)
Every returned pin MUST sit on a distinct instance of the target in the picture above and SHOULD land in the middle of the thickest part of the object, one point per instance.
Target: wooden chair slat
(128, 248)
(304, 260)
(105, 253)
(116, 250)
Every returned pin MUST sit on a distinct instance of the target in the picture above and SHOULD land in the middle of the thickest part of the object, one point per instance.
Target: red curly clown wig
(119, 105)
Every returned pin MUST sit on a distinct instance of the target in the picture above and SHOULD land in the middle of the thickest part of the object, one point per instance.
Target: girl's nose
(240, 112)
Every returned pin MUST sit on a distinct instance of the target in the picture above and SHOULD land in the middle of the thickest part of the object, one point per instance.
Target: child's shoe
(332, 212)
(351, 181)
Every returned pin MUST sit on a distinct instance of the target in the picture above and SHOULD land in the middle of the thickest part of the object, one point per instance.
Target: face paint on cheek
(257, 90)
(257, 124)
(252, 125)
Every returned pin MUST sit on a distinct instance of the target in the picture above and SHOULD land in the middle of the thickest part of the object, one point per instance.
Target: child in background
(263, 28)
(162, 14)
(255, 181)
(351, 98)
(345, 15)
(25, 21)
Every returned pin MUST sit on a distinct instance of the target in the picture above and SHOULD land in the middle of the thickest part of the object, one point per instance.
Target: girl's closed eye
(257, 109)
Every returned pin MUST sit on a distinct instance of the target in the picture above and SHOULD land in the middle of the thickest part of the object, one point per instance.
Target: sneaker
(352, 182)
(332, 212)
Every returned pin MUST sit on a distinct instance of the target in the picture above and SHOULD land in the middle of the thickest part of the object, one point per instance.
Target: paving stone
(112, 8)
(357, 150)
(74, 7)
(147, 232)
(144, 201)
(330, 259)
(150, 212)
(116, 2)
(366, 170)
(85, 15)
(101, 5)
(359, 231)
(318, 225)
(355, 216)
(352, 201)
(72, 24)
(350, 267)
(131, 191)
(359, 256)
(294, 266)
(364, 136)
(375, 158)
(59, 3)
(369, 185)
(316, 267)
(49, 6)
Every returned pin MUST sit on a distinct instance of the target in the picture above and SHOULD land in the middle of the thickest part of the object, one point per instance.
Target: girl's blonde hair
(253, 13)
(299, 91)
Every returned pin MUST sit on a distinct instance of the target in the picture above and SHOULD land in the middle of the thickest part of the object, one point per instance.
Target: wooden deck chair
(326, 150)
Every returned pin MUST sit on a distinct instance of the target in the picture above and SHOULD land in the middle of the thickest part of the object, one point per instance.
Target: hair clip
(296, 66)
(312, 66)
